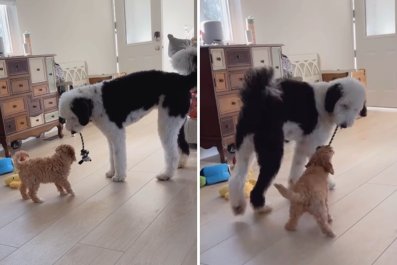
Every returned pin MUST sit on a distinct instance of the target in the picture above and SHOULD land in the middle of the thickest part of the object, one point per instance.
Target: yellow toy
(13, 181)
(248, 186)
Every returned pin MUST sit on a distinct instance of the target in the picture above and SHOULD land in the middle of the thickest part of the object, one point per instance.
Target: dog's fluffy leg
(111, 171)
(237, 180)
(60, 189)
(298, 163)
(119, 155)
(23, 190)
(168, 128)
(295, 212)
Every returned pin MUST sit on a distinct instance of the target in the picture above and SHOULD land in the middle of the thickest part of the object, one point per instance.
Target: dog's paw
(62, 193)
(37, 200)
(163, 177)
(110, 173)
(118, 179)
(263, 210)
(289, 227)
(330, 234)
(239, 209)
(330, 219)
(182, 160)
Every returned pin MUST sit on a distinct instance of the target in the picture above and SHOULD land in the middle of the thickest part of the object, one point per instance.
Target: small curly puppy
(54, 169)
(310, 193)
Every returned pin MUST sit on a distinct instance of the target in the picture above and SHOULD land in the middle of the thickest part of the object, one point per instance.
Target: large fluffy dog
(113, 105)
(275, 111)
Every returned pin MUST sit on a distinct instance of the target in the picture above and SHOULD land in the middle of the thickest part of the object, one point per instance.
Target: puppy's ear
(334, 93)
(82, 107)
(328, 167)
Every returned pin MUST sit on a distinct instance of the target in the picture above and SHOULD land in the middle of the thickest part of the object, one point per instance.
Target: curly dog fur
(310, 193)
(53, 169)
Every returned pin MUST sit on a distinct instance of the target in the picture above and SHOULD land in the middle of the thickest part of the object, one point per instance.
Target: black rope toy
(332, 138)
(84, 153)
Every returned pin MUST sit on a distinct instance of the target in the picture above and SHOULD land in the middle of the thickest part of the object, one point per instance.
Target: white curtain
(9, 28)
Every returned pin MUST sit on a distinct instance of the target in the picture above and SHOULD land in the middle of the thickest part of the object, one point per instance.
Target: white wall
(306, 26)
(71, 29)
(177, 15)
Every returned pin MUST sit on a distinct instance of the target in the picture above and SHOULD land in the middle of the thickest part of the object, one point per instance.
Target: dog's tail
(289, 194)
(20, 158)
(258, 82)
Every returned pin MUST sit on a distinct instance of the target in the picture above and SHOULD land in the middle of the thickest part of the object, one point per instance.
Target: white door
(138, 25)
(377, 49)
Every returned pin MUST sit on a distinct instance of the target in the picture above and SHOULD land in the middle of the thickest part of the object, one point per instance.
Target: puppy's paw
(71, 193)
(330, 219)
(330, 234)
(290, 227)
(62, 193)
(163, 177)
(37, 200)
(110, 173)
(118, 179)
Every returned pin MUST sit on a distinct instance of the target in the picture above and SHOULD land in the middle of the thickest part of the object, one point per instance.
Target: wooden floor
(363, 205)
(141, 221)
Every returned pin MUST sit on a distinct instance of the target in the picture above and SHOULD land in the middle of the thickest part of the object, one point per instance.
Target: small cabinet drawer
(261, 56)
(51, 116)
(4, 88)
(227, 126)
(49, 62)
(50, 103)
(20, 85)
(17, 66)
(37, 120)
(9, 126)
(13, 106)
(217, 59)
(40, 90)
(3, 70)
(220, 79)
(237, 79)
(21, 123)
(236, 57)
(276, 62)
(229, 103)
(35, 107)
(37, 70)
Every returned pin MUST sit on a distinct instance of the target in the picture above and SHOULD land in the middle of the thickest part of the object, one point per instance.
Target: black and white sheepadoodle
(115, 104)
(274, 111)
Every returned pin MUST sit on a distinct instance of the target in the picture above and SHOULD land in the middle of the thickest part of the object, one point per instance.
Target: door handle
(157, 35)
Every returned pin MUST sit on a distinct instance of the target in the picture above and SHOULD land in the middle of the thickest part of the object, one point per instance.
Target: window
(380, 17)
(9, 29)
(217, 10)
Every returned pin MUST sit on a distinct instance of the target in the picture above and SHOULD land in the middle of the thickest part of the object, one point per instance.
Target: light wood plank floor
(141, 221)
(363, 205)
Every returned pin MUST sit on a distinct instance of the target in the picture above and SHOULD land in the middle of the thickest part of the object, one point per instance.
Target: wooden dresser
(221, 78)
(28, 98)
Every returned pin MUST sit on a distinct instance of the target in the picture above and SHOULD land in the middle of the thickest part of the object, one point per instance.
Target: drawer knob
(37, 120)
(221, 80)
(238, 56)
(40, 89)
(14, 106)
(38, 69)
(50, 74)
(50, 103)
(233, 103)
(262, 61)
(34, 106)
(3, 87)
(218, 58)
(22, 123)
(52, 116)
(241, 79)
(277, 67)
(1, 68)
(20, 85)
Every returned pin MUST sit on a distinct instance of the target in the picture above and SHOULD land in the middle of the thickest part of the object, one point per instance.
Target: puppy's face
(322, 157)
(75, 112)
(345, 99)
(67, 151)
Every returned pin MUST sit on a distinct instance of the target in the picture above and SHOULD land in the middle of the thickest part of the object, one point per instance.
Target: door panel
(377, 52)
(141, 52)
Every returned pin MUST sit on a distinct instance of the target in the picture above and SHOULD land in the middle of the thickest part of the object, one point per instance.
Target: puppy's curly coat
(33, 171)
(310, 193)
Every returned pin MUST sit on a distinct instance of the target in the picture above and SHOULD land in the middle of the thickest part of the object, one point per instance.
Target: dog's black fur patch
(183, 145)
(82, 107)
(334, 93)
(142, 90)
(264, 114)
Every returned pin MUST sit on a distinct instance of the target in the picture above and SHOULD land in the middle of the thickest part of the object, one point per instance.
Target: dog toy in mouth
(84, 153)
(332, 138)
